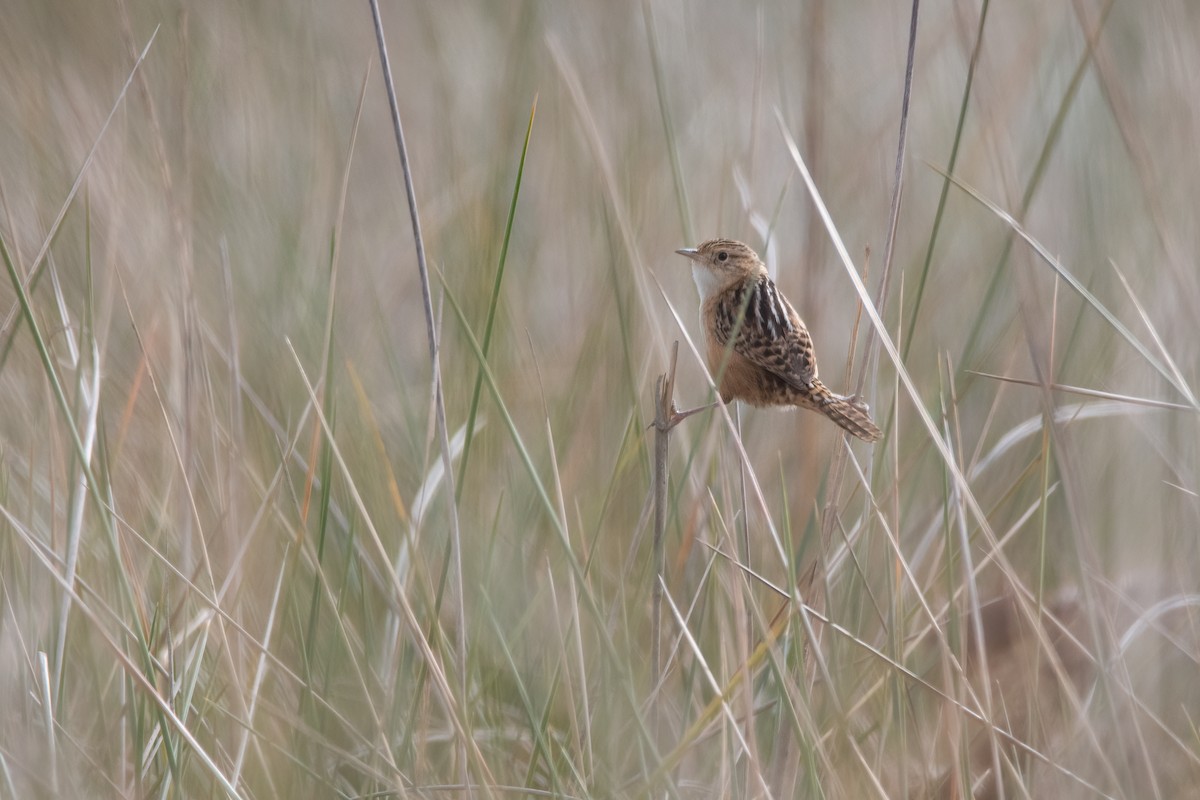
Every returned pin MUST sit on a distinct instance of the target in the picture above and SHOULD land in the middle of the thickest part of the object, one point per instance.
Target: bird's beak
(690, 252)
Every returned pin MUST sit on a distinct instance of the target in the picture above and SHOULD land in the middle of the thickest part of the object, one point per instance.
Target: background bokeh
(289, 584)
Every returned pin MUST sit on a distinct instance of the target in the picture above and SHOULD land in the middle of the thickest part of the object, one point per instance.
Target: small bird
(771, 362)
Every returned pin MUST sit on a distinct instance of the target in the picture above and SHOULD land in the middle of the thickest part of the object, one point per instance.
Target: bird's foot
(854, 400)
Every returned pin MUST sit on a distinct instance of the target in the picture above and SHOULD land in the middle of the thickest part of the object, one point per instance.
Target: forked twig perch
(666, 417)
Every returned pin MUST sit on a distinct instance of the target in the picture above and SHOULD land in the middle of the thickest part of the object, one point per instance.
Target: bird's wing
(772, 334)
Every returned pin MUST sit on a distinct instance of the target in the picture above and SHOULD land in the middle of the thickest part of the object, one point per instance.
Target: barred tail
(850, 413)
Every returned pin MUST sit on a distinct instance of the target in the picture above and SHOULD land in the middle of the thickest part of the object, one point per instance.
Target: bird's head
(719, 263)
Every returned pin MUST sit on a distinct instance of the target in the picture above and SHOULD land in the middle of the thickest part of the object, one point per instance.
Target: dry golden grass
(227, 566)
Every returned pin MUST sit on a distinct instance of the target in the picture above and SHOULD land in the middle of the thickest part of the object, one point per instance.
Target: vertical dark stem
(434, 358)
(664, 414)
(745, 543)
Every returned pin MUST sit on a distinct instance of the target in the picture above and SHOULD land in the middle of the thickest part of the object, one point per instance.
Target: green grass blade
(492, 304)
(941, 206)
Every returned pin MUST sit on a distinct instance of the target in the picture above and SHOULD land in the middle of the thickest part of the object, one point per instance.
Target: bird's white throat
(707, 281)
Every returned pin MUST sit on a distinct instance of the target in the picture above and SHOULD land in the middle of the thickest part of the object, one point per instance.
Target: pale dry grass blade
(261, 670)
(1154, 334)
(87, 389)
(1096, 393)
(402, 562)
(1079, 288)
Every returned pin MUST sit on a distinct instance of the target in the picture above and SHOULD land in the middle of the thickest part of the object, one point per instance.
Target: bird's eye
(722, 256)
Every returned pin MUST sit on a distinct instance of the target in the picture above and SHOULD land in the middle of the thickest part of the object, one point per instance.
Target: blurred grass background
(233, 598)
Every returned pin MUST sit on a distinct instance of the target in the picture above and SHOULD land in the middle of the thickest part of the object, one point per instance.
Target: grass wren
(771, 361)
